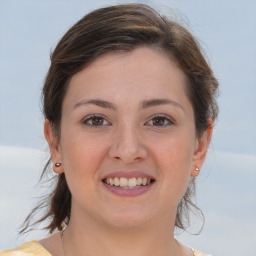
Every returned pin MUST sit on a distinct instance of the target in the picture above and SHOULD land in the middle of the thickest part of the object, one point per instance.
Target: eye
(95, 120)
(160, 120)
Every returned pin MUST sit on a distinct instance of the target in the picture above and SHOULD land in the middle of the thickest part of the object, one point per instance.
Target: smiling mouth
(128, 183)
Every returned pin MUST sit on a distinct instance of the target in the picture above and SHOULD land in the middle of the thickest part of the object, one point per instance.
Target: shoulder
(196, 253)
(32, 248)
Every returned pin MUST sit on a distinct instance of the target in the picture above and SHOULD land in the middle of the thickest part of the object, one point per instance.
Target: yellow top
(34, 248)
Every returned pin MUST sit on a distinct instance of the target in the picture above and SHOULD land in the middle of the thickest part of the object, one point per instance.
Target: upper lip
(128, 174)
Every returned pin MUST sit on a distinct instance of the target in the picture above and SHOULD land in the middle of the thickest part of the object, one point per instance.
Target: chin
(128, 217)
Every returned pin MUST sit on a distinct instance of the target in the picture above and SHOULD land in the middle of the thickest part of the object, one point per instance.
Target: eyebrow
(97, 102)
(145, 104)
(157, 102)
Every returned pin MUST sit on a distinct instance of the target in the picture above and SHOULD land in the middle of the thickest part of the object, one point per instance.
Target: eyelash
(91, 117)
(167, 121)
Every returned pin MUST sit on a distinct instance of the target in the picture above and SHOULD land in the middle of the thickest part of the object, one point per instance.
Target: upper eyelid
(167, 117)
(163, 116)
(94, 115)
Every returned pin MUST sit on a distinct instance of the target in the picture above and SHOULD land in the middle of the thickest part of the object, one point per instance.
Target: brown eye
(160, 121)
(95, 121)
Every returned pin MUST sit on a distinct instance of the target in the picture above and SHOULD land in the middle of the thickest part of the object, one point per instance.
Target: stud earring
(197, 169)
(57, 164)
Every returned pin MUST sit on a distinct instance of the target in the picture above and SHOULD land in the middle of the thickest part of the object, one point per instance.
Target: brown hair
(122, 28)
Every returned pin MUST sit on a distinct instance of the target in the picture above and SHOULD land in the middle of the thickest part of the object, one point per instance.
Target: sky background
(226, 192)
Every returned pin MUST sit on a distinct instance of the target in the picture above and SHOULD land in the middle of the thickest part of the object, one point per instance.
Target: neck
(97, 239)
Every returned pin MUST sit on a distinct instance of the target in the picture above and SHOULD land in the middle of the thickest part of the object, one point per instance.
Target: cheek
(175, 167)
(174, 153)
(81, 159)
(174, 159)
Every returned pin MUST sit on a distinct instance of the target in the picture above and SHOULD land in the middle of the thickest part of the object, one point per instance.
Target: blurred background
(226, 192)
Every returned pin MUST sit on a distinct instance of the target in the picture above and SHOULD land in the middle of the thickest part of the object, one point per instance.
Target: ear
(201, 149)
(54, 146)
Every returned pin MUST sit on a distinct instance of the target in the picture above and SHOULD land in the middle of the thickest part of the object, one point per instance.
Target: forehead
(141, 72)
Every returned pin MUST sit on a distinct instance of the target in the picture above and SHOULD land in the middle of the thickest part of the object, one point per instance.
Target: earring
(197, 169)
(57, 164)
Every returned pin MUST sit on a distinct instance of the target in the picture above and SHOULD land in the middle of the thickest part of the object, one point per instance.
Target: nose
(127, 146)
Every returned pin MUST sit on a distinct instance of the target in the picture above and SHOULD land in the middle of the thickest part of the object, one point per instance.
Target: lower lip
(128, 191)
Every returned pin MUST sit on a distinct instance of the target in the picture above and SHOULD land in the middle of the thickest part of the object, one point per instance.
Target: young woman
(129, 104)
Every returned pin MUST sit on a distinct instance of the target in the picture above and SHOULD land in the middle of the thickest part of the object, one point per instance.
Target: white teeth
(116, 181)
(144, 181)
(110, 181)
(123, 182)
(127, 183)
(132, 182)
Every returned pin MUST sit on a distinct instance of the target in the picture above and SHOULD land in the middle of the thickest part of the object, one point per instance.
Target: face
(128, 143)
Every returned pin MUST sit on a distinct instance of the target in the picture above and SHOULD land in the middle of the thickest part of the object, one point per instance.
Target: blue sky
(226, 189)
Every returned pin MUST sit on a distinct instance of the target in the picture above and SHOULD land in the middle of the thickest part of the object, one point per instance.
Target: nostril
(128, 148)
